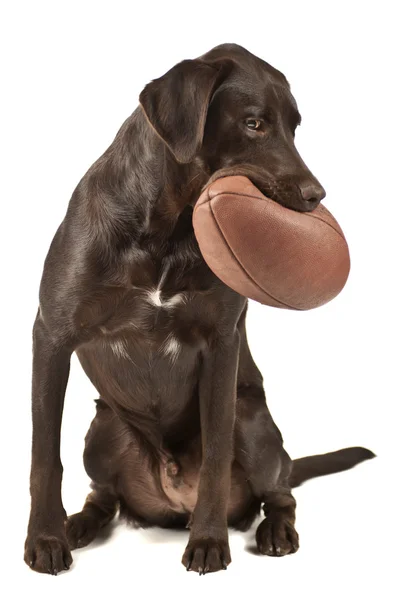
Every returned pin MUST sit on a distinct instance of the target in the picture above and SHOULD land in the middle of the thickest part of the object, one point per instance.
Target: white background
(71, 73)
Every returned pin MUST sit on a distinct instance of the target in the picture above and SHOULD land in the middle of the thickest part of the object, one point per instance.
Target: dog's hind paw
(81, 530)
(276, 537)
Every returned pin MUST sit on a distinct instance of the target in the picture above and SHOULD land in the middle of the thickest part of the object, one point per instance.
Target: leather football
(269, 253)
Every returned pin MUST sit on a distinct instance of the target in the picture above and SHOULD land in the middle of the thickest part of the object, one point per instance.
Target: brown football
(264, 251)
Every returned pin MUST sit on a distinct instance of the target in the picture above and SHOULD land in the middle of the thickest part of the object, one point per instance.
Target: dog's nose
(312, 192)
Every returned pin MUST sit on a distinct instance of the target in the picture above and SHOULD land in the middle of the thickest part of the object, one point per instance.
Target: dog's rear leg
(99, 509)
(259, 450)
(101, 505)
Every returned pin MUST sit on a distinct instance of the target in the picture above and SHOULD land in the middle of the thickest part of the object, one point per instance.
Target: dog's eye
(253, 124)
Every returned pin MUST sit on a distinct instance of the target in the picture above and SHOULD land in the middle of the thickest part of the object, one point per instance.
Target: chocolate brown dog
(182, 434)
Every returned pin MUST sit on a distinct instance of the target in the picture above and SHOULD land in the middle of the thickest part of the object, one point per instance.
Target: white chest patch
(154, 297)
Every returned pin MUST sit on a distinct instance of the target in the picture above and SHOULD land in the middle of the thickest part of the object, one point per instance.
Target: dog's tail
(325, 464)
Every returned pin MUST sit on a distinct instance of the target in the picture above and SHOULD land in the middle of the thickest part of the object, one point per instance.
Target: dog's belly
(173, 486)
(180, 483)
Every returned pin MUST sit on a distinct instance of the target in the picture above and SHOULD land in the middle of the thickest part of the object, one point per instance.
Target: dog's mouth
(283, 192)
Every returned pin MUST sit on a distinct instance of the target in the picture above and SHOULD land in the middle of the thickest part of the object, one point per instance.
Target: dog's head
(231, 113)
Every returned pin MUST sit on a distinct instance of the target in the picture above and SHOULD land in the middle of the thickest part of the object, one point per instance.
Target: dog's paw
(206, 555)
(47, 553)
(81, 530)
(276, 536)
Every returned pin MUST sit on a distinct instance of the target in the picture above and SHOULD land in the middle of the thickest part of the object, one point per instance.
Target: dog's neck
(137, 183)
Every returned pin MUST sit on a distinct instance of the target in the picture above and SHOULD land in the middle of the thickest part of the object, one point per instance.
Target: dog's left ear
(176, 104)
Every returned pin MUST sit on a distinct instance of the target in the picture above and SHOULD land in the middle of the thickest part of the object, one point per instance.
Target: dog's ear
(176, 104)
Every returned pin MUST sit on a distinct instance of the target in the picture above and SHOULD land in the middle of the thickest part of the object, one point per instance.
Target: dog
(182, 435)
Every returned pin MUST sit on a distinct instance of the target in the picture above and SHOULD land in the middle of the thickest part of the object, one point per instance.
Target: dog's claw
(47, 554)
(206, 555)
(277, 537)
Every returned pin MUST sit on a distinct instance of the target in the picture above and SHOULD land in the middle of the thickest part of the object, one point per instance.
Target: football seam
(263, 199)
(240, 264)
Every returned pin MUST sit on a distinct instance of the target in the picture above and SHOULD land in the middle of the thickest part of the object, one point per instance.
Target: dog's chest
(165, 307)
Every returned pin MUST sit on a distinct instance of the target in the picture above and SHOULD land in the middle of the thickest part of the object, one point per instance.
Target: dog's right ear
(176, 104)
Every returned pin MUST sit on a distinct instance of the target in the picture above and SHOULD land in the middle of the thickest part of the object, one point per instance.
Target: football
(264, 251)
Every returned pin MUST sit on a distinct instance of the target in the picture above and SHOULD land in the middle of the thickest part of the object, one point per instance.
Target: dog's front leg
(208, 548)
(46, 547)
